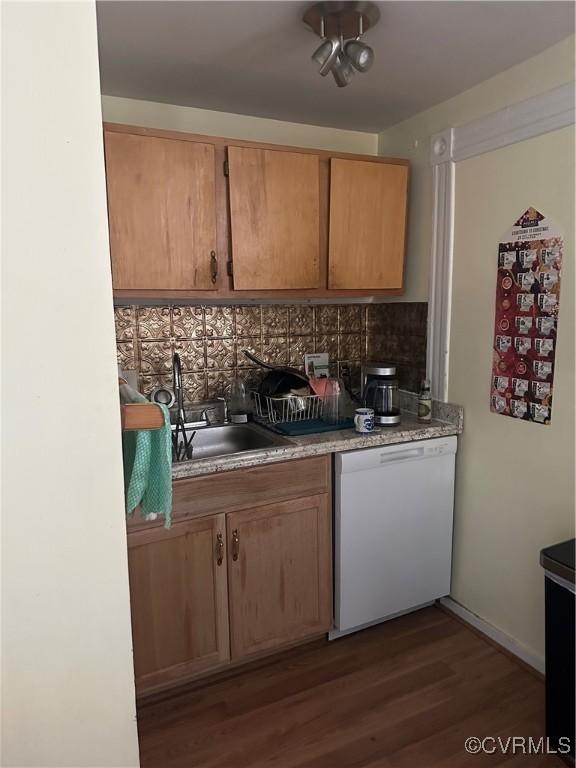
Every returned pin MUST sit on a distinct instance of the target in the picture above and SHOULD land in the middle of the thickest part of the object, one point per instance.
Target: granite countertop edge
(328, 442)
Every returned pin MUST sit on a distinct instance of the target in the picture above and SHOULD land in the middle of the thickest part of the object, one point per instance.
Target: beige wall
(205, 121)
(515, 479)
(67, 675)
(501, 521)
(411, 139)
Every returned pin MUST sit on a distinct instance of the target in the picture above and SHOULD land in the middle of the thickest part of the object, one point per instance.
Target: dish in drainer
(290, 408)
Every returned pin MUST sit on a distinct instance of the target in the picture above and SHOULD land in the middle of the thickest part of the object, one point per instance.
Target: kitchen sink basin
(226, 439)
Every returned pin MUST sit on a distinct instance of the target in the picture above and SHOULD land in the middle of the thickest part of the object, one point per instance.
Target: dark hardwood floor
(404, 694)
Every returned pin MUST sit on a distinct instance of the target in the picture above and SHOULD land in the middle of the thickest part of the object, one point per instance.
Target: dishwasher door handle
(413, 453)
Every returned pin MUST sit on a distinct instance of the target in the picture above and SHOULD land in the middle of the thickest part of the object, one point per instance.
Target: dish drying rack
(293, 408)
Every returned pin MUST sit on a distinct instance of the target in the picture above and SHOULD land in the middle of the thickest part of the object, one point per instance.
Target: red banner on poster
(526, 325)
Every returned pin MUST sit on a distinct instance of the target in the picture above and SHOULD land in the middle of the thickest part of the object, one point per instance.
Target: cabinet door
(179, 600)
(280, 584)
(162, 212)
(367, 225)
(275, 219)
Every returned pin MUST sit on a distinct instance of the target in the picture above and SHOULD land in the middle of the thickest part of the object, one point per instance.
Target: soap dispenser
(240, 407)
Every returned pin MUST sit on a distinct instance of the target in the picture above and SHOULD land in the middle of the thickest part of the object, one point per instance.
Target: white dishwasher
(393, 530)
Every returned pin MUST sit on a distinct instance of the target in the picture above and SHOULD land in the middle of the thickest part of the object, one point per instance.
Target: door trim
(548, 111)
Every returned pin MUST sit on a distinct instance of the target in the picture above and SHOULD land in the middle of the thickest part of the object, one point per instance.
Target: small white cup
(364, 420)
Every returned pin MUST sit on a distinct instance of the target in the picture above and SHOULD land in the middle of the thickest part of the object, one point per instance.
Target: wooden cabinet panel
(162, 212)
(179, 601)
(275, 219)
(252, 486)
(301, 223)
(367, 225)
(244, 488)
(280, 585)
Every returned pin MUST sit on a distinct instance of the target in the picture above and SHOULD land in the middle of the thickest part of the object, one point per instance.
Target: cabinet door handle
(213, 266)
(235, 544)
(219, 548)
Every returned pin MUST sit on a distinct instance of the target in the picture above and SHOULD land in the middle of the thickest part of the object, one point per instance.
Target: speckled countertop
(448, 420)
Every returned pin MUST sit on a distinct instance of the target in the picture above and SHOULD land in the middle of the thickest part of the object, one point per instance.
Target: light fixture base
(346, 20)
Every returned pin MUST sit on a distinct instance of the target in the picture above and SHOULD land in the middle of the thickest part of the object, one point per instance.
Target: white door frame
(546, 112)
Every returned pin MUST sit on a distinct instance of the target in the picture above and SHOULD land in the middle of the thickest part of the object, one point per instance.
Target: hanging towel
(147, 465)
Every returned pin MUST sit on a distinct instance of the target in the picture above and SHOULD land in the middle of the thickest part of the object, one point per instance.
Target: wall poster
(526, 324)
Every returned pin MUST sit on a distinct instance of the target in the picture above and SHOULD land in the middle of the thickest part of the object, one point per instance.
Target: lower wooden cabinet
(279, 574)
(223, 587)
(179, 600)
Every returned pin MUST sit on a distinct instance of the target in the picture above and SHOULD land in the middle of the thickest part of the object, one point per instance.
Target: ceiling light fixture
(326, 55)
(342, 71)
(360, 54)
(341, 26)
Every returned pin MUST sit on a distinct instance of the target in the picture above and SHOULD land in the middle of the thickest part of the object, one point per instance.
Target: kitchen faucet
(182, 447)
(181, 443)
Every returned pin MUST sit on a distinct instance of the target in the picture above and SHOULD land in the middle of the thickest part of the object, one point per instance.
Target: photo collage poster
(526, 324)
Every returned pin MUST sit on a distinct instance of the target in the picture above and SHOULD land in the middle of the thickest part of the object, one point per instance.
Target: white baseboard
(500, 637)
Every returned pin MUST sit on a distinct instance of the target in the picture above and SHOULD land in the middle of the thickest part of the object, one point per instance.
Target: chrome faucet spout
(177, 385)
(181, 444)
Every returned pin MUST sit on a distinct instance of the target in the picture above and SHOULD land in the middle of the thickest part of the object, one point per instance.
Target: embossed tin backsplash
(210, 340)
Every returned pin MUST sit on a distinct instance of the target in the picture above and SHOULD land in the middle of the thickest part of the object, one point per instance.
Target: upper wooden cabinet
(162, 213)
(286, 223)
(275, 219)
(367, 225)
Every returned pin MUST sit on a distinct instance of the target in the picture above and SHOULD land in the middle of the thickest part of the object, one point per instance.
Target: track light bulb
(361, 55)
(343, 71)
(326, 55)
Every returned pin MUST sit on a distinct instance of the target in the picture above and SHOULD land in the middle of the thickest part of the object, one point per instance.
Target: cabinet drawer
(245, 488)
(251, 487)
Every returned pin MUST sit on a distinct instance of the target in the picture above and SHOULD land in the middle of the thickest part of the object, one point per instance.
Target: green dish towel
(147, 465)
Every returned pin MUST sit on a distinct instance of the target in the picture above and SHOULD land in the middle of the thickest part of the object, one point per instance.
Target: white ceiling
(253, 58)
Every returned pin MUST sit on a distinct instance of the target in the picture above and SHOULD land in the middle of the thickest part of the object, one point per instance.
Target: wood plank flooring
(401, 695)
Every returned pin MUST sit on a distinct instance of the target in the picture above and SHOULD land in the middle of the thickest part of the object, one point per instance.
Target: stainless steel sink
(226, 439)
